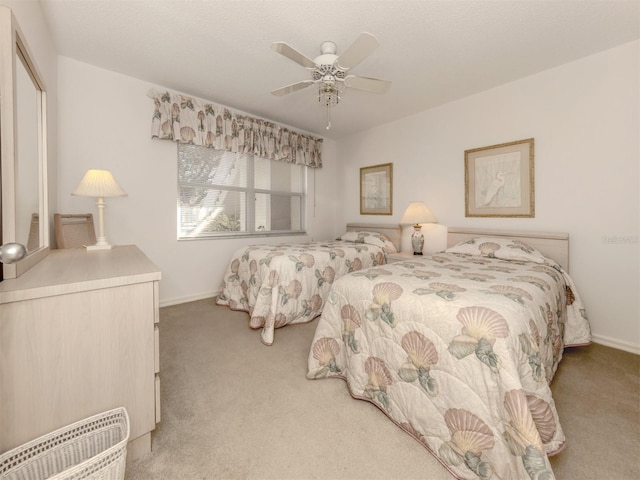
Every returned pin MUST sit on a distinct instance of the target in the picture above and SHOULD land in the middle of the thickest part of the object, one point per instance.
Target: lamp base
(417, 240)
(98, 247)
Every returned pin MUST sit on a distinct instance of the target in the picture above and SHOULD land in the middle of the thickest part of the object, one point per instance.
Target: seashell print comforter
(458, 350)
(287, 283)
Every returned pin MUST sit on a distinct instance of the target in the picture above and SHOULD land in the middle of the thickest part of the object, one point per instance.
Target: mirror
(23, 149)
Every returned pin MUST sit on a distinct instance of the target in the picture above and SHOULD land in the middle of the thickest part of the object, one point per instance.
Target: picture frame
(499, 180)
(376, 189)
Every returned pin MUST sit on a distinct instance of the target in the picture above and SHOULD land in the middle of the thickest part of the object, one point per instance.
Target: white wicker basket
(95, 448)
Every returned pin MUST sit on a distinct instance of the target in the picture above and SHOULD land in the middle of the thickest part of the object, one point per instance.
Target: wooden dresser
(78, 336)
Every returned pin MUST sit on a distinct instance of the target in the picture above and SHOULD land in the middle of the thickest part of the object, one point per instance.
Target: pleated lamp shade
(98, 183)
(416, 213)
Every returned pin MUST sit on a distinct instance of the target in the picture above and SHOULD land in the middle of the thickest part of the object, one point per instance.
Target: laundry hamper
(94, 448)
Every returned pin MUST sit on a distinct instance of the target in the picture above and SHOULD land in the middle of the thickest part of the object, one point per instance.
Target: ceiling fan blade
(367, 84)
(292, 88)
(363, 46)
(293, 54)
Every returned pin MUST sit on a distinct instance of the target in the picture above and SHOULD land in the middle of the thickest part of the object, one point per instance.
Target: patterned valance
(184, 119)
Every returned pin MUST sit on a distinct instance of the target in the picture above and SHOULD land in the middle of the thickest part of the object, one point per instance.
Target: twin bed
(459, 348)
(286, 284)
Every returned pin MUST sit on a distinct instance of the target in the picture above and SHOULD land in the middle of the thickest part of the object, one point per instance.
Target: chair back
(74, 230)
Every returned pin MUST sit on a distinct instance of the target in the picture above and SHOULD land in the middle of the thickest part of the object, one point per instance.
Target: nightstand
(401, 257)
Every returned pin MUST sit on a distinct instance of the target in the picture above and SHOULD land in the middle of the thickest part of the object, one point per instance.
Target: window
(223, 193)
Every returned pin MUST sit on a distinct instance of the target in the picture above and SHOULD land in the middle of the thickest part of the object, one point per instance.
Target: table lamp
(417, 213)
(100, 184)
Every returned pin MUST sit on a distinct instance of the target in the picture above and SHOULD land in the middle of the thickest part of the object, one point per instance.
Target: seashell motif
(445, 291)
(439, 259)
(167, 128)
(175, 111)
(384, 293)
(329, 274)
(372, 273)
(379, 375)
(350, 317)
(522, 246)
(511, 292)
(253, 267)
(356, 265)
(535, 333)
(477, 276)
(307, 260)
(294, 289)
(552, 272)
(379, 259)
(446, 287)
(488, 249)
(526, 433)
(570, 296)
(274, 278)
(235, 265)
(542, 417)
(187, 134)
(482, 322)
(541, 284)
(338, 252)
(468, 432)
(425, 274)
(325, 350)
(456, 268)
(499, 268)
(315, 303)
(421, 352)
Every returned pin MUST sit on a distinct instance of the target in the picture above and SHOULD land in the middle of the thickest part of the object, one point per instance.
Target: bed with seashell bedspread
(458, 349)
(286, 284)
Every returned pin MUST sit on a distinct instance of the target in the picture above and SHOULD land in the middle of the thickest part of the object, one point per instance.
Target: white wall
(105, 122)
(584, 119)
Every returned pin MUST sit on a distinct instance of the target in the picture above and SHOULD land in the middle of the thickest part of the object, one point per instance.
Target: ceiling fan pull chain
(328, 117)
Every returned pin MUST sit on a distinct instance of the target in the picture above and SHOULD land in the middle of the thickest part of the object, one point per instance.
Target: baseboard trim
(614, 343)
(190, 298)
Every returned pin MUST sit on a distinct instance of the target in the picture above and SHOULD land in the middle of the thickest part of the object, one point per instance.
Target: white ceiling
(433, 52)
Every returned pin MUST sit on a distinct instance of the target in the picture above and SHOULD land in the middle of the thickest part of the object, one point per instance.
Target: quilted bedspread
(288, 283)
(458, 350)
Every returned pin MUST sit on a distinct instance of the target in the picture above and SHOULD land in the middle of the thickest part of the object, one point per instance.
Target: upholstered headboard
(392, 231)
(552, 245)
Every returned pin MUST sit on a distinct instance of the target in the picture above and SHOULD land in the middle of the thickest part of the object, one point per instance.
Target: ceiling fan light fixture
(328, 95)
(329, 70)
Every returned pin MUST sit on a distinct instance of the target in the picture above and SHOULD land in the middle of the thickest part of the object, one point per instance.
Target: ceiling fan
(329, 70)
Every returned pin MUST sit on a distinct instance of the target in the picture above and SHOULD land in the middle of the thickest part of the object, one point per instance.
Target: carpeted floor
(233, 408)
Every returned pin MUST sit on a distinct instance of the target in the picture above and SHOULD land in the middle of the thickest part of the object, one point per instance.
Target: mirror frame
(13, 48)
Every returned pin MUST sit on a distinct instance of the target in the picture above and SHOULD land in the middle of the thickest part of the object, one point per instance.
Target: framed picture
(376, 190)
(498, 180)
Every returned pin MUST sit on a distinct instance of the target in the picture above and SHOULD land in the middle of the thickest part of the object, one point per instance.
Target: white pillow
(502, 248)
(371, 238)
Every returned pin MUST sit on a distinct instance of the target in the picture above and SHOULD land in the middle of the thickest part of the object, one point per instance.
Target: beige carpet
(233, 408)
